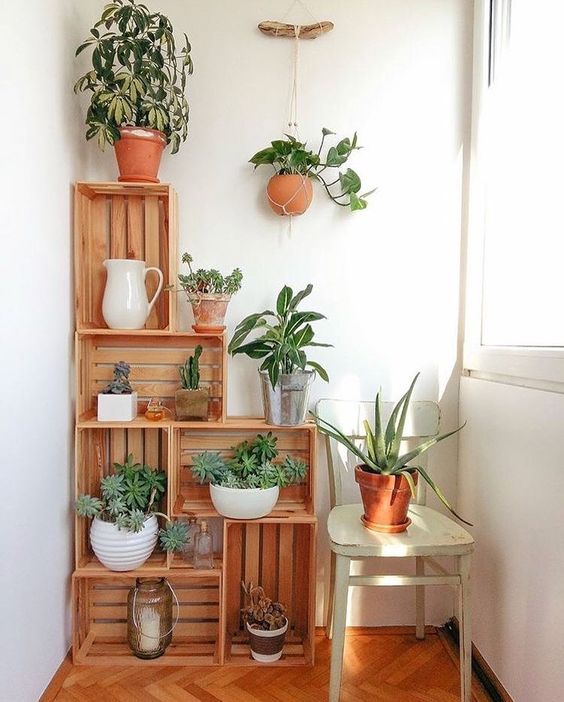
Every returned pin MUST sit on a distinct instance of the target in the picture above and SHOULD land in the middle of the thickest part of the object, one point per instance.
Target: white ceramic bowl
(238, 503)
(119, 549)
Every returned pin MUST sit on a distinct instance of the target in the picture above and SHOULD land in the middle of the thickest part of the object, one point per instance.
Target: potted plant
(124, 527)
(209, 292)
(117, 402)
(386, 480)
(191, 400)
(284, 375)
(247, 486)
(137, 85)
(290, 190)
(266, 622)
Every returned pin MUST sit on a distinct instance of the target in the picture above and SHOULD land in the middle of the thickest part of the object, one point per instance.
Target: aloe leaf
(439, 493)
(343, 439)
(407, 475)
(370, 440)
(380, 446)
(425, 446)
(396, 442)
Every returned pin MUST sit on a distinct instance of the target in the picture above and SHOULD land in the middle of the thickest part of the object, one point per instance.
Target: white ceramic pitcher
(125, 304)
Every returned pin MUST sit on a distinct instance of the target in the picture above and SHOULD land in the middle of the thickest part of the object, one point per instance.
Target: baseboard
(480, 667)
(54, 687)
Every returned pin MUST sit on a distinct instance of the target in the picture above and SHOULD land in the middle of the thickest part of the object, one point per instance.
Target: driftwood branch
(307, 31)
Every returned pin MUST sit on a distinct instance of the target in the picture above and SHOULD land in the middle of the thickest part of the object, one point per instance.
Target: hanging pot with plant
(137, 85)
(290, 190)
(284, 373)
(209, 293)
(385, 477)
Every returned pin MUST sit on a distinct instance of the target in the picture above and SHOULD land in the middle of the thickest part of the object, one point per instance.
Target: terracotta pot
(385, 499)
(209, 312)
(191, 404)
(289, 194)
(138, 153)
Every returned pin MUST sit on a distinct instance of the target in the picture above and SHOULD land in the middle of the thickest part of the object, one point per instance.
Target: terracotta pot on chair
(138, 153)
(385, 499)
(289, 194)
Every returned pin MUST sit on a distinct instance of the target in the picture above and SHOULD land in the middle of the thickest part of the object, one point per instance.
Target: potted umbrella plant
(286, 373)
(137, 87)
(209, 293)
(385, 476)
(124, 529)
(290, 189)
(247, 485)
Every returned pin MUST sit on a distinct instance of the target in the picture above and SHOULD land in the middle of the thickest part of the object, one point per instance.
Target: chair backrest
(422, 422)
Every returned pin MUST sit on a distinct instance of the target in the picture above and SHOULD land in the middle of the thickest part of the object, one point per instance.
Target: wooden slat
(152, 253)
(269, 560)
(135, 228)
(286, 567)
(252, 553)
(118, 239)
(98, 252)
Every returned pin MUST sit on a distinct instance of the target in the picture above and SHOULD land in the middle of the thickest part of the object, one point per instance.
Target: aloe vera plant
(383, 444)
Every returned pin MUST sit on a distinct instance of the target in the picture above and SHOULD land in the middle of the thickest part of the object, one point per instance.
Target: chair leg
(342, 571)
(331, 598)
(465, 635)
(420, 600)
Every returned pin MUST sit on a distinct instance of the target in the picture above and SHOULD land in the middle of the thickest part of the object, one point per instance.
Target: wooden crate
(100, 621)
(154, 358)
(96, 452)
(280, 556)
(124, 220)
(189, 497)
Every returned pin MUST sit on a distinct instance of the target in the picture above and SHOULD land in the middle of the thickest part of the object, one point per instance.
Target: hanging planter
(289, 194)
(290, 190)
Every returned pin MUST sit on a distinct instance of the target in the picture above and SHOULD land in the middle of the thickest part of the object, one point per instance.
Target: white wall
(512, 484)
(41, 152)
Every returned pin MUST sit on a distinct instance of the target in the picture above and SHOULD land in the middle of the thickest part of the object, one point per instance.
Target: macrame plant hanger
(296, 32)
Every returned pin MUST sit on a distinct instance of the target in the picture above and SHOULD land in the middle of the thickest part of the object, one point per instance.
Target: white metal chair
(430, 534)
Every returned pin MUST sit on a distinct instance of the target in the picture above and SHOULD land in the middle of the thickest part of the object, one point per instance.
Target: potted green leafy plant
(284, 373)
(386, 478)
(247, 485)
(191, 400)
(209, 292)
(290, 191)
(117, 402)
(124, 527)
(137, 85)
(266, 623)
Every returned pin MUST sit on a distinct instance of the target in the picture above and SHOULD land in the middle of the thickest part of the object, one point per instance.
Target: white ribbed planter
(119, 549)
(239, 503)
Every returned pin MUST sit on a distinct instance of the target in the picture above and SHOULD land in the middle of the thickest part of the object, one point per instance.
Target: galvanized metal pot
(286, 404)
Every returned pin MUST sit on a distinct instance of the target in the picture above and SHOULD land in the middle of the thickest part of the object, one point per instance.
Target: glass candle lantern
(149, 617)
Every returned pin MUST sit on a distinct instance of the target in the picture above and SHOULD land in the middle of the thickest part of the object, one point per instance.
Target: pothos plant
(292, 157)
(251, 466)
(203, 281)
(138, 75)
(128, 497)
(286, 334)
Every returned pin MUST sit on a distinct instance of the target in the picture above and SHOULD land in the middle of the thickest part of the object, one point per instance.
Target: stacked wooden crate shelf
(123, 220)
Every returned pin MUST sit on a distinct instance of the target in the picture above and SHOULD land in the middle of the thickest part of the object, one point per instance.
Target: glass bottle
(155, 410)
(203, 548)
(191, 532)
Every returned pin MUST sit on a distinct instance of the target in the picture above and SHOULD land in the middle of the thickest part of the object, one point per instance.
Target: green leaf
(300, 296)
(334, 158)
(321, 372)
(407, 475)
(425, 446)
(326, 132)
(395, 442)
(304, 336)
(350, 181)
(344, 147)
(299, 318)
(439, 493)
(380, 445)
(283, 301)
(357, 203)
(327, 428)
(254, 349)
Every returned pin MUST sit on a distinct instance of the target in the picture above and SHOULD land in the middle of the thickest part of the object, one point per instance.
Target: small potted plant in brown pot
(386, 480)
(117, 402)
(266, 623)
(209, 293)
(191, 400)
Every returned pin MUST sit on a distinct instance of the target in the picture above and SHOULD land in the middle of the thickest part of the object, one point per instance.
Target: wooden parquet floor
(387, 665)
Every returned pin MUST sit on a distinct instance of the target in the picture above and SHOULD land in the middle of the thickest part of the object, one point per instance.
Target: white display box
(117, 408)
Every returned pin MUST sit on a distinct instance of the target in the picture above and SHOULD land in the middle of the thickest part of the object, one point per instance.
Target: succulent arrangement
(120, 384)
(190, 371)
(382, 451)
(128, 497)
(138, 76)
(286, 334)
(292, 157)
(204, 281)
(261, 612)
(251, 466)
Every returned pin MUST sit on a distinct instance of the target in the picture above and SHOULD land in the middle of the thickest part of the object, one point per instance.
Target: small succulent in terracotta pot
(191, 400)
(290, 190)
(209, 293)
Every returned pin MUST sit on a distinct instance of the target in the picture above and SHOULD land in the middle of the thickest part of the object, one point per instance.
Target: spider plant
(383, 444)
